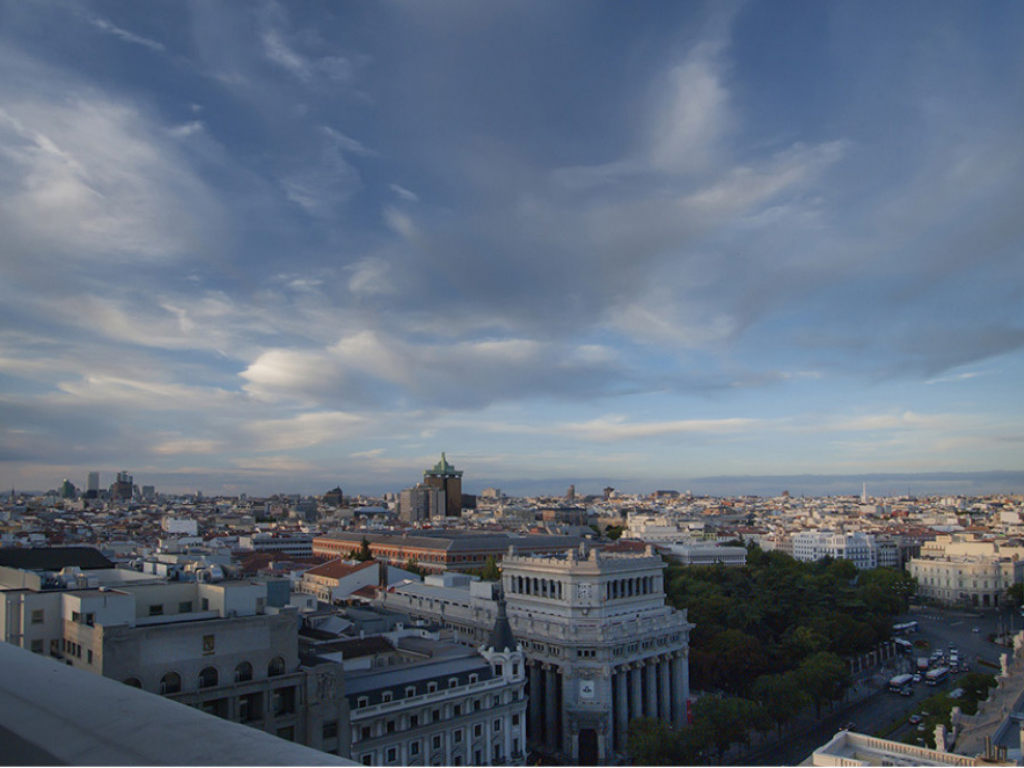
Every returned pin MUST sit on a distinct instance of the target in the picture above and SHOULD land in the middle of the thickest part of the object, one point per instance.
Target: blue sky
(277, 247)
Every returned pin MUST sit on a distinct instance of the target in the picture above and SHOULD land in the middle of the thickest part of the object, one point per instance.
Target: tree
(783, 696)
(1015, 594)
(413, 566)
(825, 678)
(491, 571)
(614, 532)
(650, 741)
(364, 554)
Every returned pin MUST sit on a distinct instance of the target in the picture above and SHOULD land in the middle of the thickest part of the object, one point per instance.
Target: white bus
(899, 682)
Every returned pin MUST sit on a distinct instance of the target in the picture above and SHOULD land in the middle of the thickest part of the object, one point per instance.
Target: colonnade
(654, 687)
(657, 686)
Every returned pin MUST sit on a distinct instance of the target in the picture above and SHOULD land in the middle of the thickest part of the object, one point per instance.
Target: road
(939, 629)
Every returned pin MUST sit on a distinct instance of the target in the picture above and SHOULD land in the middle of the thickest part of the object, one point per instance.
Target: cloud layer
(288, 245)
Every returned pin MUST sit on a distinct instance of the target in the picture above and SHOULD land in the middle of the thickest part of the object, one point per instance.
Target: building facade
(444, 477)
(602, 647)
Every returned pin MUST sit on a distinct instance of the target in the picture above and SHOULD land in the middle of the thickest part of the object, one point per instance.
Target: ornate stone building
(602, 647)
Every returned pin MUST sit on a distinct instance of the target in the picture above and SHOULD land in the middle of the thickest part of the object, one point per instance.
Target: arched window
(134, 682)
(276, 667)
(243, 672)
(170, 683)
(208, 677)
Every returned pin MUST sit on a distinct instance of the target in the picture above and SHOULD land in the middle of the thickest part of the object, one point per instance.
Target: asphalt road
(939, 629)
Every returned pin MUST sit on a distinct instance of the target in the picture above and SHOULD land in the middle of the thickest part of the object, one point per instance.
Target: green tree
(413, 566)
(783, 696)
(364, 554)
(1015, 594)
(825, 678)
(491, 571)
(650, 741)
(614, 532)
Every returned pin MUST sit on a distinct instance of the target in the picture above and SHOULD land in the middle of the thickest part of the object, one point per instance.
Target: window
(436, 742)
(515, 719)
(243, 672)
(414, 748)
(206, 603)
(37, 646)
(364, 733)
(457, 736)
(457, 710)
(473, 678)
(478, 730)
(414, 721)
(156, 610)
(498, 670)
(495, 701)
(367, 759)
(390, 726)
(410, 691)
(185, 607)
(496, 725)
(170, 683)
(38, 616)
(284, 701)
(362, 701)
(330, 730)
(76, 617)
(386, 696)
(453, 682)
(431, 687)
(276, 667)
(250, 707)
(208, 677)
(392, 754)
(89, 656)
(90, 619)
(287, 733)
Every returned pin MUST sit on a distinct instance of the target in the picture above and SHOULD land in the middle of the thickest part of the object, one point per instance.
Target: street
(940, 629)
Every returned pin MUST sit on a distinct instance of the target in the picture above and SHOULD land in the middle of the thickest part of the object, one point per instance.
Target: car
(908, 691)
(917, 678)
(914, 719)
(921, 727)
(975, 630)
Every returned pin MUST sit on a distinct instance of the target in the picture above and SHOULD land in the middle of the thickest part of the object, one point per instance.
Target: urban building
(293, 544)
(422, 502)
(602, 647)
(453, 706)
(857, 547)
(444, 477)
(438, 551)
(123, 488)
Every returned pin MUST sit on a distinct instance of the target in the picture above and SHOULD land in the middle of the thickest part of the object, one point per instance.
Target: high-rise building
(67, 489)
(421, 502)
(93, 483)
(123, 486)
(445, 477)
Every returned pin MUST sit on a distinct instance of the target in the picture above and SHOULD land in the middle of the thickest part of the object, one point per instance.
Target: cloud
(371, 367)
(124, 34)
(85, 176)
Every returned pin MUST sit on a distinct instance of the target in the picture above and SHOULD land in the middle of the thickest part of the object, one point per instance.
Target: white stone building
(602, 647)
(858, 547)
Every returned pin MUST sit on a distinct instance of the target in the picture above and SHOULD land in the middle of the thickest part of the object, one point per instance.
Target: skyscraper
(93, 483)
(123, 486)
(446, 478)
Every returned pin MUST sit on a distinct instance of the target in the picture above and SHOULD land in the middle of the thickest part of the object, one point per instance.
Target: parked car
(908, 691)
(917, 678)
(975, 630)
(914, 719)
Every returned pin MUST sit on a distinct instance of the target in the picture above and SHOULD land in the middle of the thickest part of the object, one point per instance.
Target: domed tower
(502, 650)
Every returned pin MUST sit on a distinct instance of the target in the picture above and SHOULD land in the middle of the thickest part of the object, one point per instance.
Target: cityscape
(511, 383)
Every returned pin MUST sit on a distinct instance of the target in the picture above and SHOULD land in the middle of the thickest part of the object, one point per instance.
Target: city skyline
(272, 248)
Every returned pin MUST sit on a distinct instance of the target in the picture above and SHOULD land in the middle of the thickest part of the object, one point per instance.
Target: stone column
(552, 710)
(535, 706)
(678, 695)
(619, 681)
(636, 707)
(651, 708)
(664, 704)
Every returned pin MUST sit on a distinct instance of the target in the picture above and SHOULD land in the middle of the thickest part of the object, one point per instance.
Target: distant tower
(123, 486)
(93, 482)
(864, 494)
(608, 493)
(570, 495)
(446, 478)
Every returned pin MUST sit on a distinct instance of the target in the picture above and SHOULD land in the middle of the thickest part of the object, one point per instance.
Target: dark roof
(54, 558)
(502, 638)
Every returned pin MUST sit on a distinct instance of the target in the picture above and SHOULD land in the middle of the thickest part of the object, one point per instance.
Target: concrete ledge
(65, 716)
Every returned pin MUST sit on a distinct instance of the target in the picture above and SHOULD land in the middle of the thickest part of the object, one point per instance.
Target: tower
(445, 477)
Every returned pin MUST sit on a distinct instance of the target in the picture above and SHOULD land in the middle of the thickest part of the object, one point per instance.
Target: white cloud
(404, 193)
(86, 176)
(303, 431)
(124, 34)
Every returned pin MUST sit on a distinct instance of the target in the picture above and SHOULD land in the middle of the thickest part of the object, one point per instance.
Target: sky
(277, 247)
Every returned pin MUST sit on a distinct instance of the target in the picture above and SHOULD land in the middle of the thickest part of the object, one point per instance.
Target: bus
(936, 676)
(899, 682)
(904, 646)
(907, 628)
